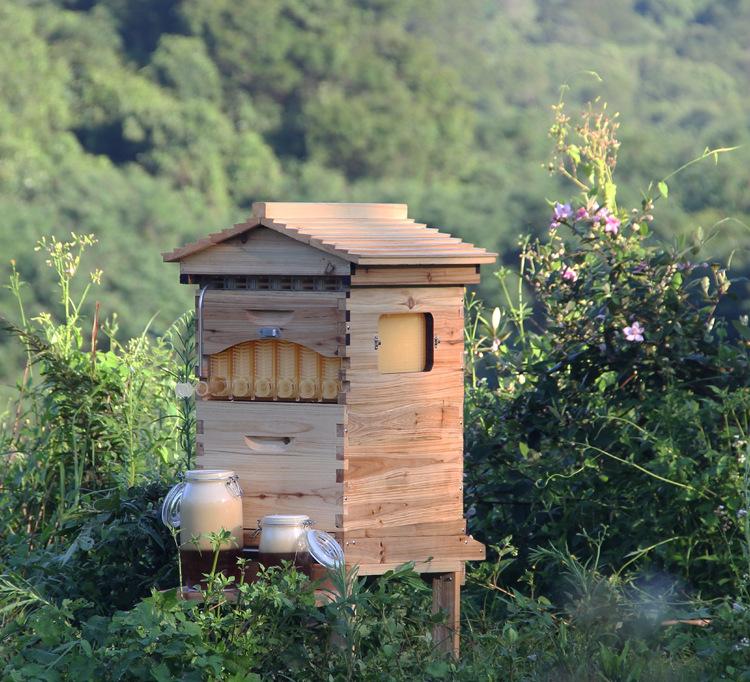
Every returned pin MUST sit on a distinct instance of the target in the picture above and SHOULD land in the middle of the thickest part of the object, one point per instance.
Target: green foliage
(84, 419)
(272, 630)
(107, 557)
(154, 123)
(628, 411)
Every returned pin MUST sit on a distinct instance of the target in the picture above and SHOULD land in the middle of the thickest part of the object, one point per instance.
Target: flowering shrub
(622, 404)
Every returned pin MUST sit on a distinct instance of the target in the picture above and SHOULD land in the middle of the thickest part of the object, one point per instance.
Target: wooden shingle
(365, 234)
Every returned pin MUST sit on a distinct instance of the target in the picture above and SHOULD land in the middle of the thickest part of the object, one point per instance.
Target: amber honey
(271, 369)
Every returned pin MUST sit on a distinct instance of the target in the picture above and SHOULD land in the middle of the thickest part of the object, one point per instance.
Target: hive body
(331, 367)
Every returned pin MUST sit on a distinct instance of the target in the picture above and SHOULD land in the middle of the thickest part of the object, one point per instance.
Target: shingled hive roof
(366, 234)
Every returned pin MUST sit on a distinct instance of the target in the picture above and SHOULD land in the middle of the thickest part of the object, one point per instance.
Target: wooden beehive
(330, 339)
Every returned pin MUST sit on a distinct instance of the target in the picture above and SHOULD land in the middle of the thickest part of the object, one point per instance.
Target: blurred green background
(151, 122)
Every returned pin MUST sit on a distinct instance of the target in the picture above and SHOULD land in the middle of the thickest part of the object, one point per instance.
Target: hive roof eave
(208, 241)
(382, 235)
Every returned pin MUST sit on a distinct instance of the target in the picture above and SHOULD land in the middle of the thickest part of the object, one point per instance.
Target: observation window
(405, 342)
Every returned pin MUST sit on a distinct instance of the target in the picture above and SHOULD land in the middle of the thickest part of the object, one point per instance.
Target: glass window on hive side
(405, 342)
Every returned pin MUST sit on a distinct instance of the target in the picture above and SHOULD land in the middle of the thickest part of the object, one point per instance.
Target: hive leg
(446, 596)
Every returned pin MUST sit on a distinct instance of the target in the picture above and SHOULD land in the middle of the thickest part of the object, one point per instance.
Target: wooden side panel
(284, 454)
(434, 566)
(416, 276)
(453, 527)
(312, 319)
(404, 434)
(263, 252)
(390, 550)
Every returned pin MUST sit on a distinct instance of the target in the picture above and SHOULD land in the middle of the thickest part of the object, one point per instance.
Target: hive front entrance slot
(278, 444)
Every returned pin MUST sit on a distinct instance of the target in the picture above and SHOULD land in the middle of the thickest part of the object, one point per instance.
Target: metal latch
(436, 341)
(269, 332)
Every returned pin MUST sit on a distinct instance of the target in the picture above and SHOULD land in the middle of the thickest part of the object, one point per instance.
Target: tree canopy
(153, 123)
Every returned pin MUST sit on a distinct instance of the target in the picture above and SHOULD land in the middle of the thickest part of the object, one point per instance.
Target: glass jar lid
(285, 520)
(324, 548)
(208, 475)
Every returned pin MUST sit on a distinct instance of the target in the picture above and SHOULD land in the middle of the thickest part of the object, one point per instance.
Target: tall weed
(86, 419)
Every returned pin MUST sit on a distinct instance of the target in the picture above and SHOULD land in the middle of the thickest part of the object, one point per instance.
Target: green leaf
(663, 189)
(610, 194)
(161, 673)
(574, 153)
(511, 633)
(605, 380)
(438, 669)
(742, 330)
(524, 448)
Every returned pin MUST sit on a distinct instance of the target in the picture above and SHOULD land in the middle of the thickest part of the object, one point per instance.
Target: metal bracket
(270, 332)
(376, 342)
(436, 341)
(201, 296)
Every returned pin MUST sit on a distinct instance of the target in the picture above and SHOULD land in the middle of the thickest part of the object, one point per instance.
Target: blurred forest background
(151, 123)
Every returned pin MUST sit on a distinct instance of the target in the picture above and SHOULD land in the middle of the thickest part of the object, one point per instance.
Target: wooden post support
(446, 596)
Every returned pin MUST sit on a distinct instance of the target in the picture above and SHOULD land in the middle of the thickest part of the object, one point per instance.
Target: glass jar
(290, 537)
(282, 538)
(208, 501)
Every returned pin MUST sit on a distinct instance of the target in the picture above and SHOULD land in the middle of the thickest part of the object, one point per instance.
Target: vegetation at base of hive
(617, 403)
(152, 124)
(108, 556)
(375, 630)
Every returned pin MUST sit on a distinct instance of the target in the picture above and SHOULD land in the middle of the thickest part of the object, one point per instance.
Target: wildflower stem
(686, 486)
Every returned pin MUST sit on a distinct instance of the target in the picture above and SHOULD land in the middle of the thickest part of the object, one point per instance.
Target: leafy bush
(109, 555)
(376, 631)
(85, 420)
(621, 403)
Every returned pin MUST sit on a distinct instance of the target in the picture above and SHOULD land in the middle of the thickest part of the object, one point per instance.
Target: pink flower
(582, 213)
(612, 225)
(599, 215)
(562, 211)
(634, 332)
(554, 225)
(569, 275)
